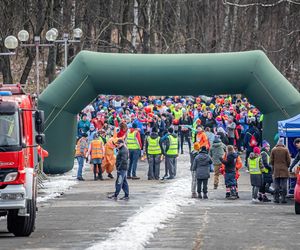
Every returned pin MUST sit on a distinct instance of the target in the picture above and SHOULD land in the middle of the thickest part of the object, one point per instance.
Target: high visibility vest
(177, 114)
(173, 149)
(132, 142)
(153, 146)
(254, 166)
(265, 170)
(81, 147)
(96, 149)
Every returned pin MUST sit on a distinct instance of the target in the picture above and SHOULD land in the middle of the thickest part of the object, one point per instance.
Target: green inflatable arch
(91, 73)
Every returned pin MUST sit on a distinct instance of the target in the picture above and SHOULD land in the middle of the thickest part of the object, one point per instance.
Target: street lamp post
(11, 43)
(23, 36)
(77, 33)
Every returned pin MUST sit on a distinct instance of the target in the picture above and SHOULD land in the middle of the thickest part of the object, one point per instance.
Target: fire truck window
(9, 130)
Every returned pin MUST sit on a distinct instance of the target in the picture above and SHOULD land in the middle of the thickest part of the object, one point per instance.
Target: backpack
(253, 142)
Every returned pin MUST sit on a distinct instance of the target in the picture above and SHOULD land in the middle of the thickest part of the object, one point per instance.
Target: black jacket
(229, 162)
(295, 161)
(122, 159)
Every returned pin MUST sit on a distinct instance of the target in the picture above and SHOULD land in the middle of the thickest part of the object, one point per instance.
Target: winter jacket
(165, 140)
(230, 130)
(185, 121)
(248, 134)
(295, 161)
(217, 151)
(201, 165)
(152, 136)
(256, 179)
(122, 159)
(280, 160)
(267, 177)
(193, 155)
(229, 162)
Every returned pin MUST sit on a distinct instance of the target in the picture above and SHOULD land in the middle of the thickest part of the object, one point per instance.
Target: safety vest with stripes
(96, 149)
(173, 148)
(81, 147)
(254, 166)
(177, 114)
(153, 146)
(132, 141)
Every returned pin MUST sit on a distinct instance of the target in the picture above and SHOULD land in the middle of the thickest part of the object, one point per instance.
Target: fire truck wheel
(22, 226)
(297, 207)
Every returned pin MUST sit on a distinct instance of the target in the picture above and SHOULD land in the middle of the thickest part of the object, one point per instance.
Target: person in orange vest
(201, 137)
(96, 152)
(80, 154)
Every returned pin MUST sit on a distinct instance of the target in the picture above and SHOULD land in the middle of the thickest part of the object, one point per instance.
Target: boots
(205, 196)
(227, 194)
(276, 198)
(265, 199)
(194, 195)
(100, 176)
(260, 197)
(216, 186)
(199, 196)
(283, 199)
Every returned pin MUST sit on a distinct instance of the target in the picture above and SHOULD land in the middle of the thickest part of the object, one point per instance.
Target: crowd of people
(216, 129)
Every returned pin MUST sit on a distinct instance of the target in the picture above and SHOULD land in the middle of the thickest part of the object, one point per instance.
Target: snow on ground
(135, 233)
(56, 185)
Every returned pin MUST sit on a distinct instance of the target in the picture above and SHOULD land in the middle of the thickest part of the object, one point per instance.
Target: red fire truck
(21, 133)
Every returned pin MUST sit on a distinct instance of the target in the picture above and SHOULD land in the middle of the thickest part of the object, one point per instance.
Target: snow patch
(57, 185)
(136, 232)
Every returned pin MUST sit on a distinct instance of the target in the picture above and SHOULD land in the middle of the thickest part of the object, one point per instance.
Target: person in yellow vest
(80, 154)
(255, 169)
(96, 152)
(177, 112)
(171, 153)
(267, 174)
(134, 145)
(153, 150)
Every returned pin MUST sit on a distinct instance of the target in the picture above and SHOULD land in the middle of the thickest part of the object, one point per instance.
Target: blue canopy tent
(290, 130)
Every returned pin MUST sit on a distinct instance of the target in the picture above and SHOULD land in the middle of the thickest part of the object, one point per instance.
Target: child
(255, 169)
(201, 165)
(193, 155)
(230, 172)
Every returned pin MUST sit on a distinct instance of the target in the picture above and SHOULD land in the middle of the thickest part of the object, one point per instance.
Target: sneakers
(110, 176)
(194, 195)
(169, 178)
(125, 198)
(199, 196)
(255, 200)
(80, 178)
(113, 197)
(205, 196)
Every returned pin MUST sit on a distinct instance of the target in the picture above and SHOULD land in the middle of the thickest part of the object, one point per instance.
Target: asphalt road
(83, 216)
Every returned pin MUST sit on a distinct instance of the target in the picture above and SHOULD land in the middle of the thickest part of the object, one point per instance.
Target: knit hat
(197, 146)
(265, 144)
(280, 141)
(256, 150)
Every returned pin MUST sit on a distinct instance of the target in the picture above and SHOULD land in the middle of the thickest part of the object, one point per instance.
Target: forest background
(150, 26)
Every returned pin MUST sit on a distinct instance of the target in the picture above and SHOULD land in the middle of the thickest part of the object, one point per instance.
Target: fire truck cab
(21, 133)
